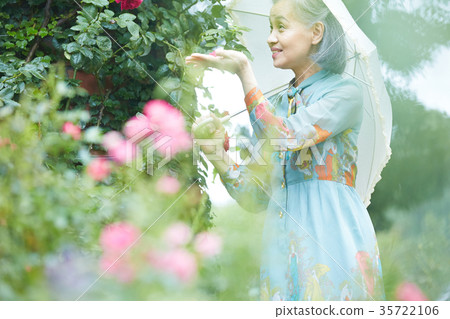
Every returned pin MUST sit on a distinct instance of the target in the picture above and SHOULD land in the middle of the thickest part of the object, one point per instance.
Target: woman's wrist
(247, 77)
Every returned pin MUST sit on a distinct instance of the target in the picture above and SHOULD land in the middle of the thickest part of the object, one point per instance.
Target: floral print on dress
(318, 239)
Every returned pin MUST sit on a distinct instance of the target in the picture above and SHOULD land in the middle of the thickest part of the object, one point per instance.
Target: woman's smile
(275, 52)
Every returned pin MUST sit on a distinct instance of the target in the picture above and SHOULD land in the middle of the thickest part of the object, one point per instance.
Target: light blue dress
(318, 240)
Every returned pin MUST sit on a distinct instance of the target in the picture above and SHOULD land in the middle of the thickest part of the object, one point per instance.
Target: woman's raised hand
(226, 60)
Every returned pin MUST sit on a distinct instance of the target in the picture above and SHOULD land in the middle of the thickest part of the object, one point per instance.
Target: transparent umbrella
(362, 64)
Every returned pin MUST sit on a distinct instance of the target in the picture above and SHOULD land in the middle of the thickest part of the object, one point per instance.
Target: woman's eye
(281, 27)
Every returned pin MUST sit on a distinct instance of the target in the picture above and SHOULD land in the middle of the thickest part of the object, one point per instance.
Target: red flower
(99, 169)
(226, 143)
(129, 4)
(72, 130)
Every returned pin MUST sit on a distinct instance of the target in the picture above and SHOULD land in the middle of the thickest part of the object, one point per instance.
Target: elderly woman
(318, 239)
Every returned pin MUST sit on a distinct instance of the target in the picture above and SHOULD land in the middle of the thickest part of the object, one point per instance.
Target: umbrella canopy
(362, 64)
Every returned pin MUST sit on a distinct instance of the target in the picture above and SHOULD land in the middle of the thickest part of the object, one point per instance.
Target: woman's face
(289, 40)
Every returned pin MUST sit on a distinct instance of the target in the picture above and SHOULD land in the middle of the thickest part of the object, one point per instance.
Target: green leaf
(124, 18)
(133, 28)
(37, 74)
(104, 43)
(98, 3)
(109, 13)
(217, 11)
(150, 36)
(170, 56)
(89, 13)
(178, 7)
(87, 53)
(76, 60)
(73, 47)
(80, 27)
(85, 39)
(22, 44)
(43, 33)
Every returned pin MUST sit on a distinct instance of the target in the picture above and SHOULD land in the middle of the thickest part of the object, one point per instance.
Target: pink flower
(178, 262)
(123, 153)
(213, 53)
(99, 169)
(164, 127)
(137, 128)
(72, 130)
(168, 185)
(407, 291)
(178, 234)
(120, 268)
(112, 139)
(208, 244)
(117, 237)
(129, 4)
(119, 149)
(164, 117)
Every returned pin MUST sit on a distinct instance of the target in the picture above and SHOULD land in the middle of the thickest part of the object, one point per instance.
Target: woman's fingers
(217, 123)
(202, 59)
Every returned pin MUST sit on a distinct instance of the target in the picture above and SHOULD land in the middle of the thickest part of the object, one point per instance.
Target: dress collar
(305, 83)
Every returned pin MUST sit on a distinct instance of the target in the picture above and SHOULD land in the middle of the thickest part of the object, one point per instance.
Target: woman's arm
(227, 60)
(338, 110)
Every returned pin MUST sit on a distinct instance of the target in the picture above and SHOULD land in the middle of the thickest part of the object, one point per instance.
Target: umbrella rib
(275, 89)
(355, 77)
(252, 13)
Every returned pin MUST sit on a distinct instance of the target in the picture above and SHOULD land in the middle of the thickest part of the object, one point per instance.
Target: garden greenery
(56, 198)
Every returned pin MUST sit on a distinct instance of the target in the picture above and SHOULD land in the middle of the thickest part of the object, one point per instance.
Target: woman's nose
(272, 39)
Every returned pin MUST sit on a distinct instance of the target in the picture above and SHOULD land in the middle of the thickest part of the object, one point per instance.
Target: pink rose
(168, 185)
(120, 268)
(164, 117)
(119, 149)
(129, 4)
(178, 262)
(407, 291)
(137, 128)
(72, 130)
(117, 237)
(99, 169)
(112, 139)
(162, 125)
(208, 244)
(178, 234)
(123, 153)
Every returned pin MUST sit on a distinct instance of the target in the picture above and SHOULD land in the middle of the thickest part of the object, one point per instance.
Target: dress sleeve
(249, 187)
(338, 109)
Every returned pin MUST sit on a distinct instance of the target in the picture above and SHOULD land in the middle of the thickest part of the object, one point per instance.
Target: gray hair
(331, 51)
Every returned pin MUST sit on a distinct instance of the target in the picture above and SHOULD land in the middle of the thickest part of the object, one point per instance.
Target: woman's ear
(318, 29)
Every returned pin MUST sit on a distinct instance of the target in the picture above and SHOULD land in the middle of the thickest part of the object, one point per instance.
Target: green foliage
(406, 36)
(123, 59)
(414, 249)
(417, 170)
(48, 203)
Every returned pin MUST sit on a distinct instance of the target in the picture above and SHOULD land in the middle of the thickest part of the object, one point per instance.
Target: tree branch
(39, 39)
